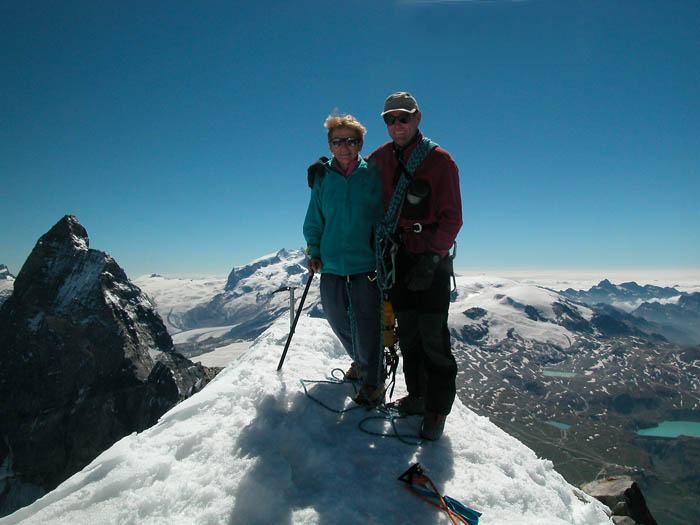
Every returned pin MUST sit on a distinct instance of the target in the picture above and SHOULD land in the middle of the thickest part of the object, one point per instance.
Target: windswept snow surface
(252, 448)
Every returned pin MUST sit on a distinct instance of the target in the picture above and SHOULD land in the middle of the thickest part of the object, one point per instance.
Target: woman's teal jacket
(339, 220)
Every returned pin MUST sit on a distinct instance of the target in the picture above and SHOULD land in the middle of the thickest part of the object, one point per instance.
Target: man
(430, 220)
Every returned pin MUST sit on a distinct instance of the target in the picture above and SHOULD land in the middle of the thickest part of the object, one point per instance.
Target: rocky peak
(5, 273)
(86, 360)
(605, 284)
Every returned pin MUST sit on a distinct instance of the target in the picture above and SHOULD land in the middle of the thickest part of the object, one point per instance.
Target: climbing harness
(385, 241)
(423, 487)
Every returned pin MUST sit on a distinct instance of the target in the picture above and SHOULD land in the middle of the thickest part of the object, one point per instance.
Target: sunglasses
(352, 142)
(404, 118)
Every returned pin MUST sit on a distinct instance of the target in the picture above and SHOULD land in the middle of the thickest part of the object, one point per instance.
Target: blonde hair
(335, 121)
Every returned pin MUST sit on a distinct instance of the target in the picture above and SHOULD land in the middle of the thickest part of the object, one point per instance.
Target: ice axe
(294, 324)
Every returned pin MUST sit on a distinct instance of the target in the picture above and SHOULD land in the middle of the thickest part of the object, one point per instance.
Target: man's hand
(314, 265)
(421, 275)
(316, 169)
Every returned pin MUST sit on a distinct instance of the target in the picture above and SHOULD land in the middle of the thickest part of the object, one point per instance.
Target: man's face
(401, 132)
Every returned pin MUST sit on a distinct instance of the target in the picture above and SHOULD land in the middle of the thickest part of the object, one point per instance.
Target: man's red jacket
(442, 220)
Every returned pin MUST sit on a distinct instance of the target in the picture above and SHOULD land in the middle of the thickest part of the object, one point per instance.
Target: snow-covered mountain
(576, 384)
(254, 296)
(625, 296)
(7, 281)
(253, 448)
(5, 273)
(173, 296)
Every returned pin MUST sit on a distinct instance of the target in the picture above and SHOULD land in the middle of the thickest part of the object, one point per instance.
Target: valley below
(586, 418)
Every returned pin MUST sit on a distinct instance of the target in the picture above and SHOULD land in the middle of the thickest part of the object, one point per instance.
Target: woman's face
(344, 154)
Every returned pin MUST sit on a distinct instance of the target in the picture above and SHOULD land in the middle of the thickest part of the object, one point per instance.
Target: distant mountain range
(624, 296)
(666, 311)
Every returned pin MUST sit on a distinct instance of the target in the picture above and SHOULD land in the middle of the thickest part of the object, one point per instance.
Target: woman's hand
(314, 265)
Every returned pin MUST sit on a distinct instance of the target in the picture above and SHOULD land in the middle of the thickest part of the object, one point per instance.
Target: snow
(223, 355)
(198, 335)
(252, 448)
(174, 295)
(80, 280)
(504, 300)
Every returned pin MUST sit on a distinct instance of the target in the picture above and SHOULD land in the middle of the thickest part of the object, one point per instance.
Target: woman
(345, 203)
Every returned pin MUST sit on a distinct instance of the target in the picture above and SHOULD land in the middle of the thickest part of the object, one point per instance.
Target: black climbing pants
(429, 367)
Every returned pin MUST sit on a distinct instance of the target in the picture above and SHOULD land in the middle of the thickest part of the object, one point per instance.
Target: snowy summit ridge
(253, 448)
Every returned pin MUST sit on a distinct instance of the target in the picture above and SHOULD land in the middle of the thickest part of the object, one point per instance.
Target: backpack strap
(317, 169)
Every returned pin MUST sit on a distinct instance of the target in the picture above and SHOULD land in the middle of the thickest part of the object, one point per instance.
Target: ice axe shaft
(294, 324)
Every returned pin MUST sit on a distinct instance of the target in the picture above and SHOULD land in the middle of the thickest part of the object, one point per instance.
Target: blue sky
(179, 132)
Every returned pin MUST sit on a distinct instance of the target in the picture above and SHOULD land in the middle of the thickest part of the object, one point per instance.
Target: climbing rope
(385, 413)
(331, 380)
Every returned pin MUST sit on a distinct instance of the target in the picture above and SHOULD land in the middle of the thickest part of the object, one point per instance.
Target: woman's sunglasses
(352, 142)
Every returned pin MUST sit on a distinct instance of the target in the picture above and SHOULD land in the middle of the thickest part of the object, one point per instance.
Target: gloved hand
(317, 168)
(421, 275)
(314, 265)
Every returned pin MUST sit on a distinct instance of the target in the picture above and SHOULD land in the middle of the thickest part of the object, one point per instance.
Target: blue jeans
(337, 293)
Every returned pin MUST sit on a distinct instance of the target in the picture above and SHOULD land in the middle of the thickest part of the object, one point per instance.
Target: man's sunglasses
(352, 142)
(404, 118)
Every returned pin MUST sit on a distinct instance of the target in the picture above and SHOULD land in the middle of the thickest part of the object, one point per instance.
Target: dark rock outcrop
(85, 361)
(624, 498)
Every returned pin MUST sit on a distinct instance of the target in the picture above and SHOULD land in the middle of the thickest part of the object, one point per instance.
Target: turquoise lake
(563, 426)
(551, 373)
(673, 429)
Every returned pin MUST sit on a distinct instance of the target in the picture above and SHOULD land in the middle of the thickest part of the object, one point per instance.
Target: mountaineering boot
(369, 395)
(353, 374)
(409, 405)
(432, 426)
